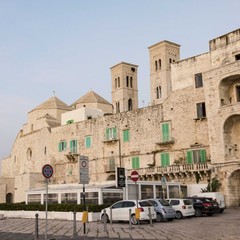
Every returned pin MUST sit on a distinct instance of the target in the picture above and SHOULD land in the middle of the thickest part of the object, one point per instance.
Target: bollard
(74, 224)
(150, 216)
(104, 222)
(130, 216)
(36, 227)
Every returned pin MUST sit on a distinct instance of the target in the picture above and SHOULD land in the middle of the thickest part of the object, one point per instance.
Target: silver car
(165, 212)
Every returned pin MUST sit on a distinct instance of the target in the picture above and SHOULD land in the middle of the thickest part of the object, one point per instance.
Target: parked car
(217, 196)
(165, 212)
(183, 207)
(203, 205)
(120, 211)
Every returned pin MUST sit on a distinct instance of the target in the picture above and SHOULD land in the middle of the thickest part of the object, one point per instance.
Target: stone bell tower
(124, 87)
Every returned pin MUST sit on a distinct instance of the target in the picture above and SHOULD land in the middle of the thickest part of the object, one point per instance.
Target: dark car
(203, 205)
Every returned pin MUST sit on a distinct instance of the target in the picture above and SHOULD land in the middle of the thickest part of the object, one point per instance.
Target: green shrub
(52, 207)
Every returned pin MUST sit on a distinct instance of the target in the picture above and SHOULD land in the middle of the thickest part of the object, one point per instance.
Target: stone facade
(189, 133)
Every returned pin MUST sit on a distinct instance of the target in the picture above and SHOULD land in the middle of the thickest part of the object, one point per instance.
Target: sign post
(121, 179)
(84, 179)
(47, 172)
(164, 185)
(135, 178)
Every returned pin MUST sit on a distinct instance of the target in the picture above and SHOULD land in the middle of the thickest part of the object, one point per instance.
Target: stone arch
(231, 130)
(111, 177)
(234, 189)
(229, 90)
(9, 198)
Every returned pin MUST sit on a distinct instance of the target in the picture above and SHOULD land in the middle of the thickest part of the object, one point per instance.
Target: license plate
(189, 207)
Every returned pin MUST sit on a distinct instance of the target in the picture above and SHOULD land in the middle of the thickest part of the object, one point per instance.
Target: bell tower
(124, 87)
(162, 55)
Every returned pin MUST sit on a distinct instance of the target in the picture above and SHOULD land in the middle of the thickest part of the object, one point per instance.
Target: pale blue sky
(68, 46)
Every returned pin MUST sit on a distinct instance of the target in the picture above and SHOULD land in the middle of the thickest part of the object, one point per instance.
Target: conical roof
(53, 103)
(91, 97)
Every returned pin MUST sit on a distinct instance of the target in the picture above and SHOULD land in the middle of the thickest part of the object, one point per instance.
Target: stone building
(188, 133)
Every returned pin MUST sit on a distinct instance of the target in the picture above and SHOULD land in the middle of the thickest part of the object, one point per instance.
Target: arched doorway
(111, 178)
(9, 198)
(234, 189)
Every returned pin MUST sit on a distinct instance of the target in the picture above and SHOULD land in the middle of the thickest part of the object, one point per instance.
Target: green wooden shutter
(107, 133)
(126, 135)
(88, 142)
(203, 155)
(165, 160)
(71, 146)
(165, 132)
(135, 163)
(65, 145)
(189, 157)
(114, 133)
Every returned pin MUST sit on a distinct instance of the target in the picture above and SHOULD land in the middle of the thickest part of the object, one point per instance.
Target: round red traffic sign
(134, 176)
(47, 171)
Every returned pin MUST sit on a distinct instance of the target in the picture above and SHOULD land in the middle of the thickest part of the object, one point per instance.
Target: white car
(120, 211)
(183, 207)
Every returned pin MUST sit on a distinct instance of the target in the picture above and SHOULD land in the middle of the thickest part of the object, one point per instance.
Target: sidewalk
(217, 227)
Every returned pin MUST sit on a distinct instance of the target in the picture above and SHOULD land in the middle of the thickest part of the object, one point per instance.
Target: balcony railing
(170, 140)
(196, 167)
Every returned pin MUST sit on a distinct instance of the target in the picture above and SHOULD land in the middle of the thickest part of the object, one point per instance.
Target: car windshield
(164, 202)
(145, 204)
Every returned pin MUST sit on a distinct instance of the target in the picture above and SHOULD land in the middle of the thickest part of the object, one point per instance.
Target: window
(198, 80)
(130, 104)
(88, 141)
(127, 81)
(131, 82)
(115, 83)
(126, 135)
(73, 146)
(117, 107)
(62, 146)
(160, 63)
(156, 65)
(111, 133)
(201, 110)
(159, 92)
(69, 198)
(118, 81)
(111, 165)
(165, 161)
(135, 163)
(238, 93)
(196, 156)
(237, 57)
(165, 132)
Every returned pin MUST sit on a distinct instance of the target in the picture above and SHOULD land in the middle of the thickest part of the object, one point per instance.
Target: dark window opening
(198, 80)
(160, 63)
(170, 60)
(131, 82)
(238, 93)
(117, 107)
(237, 57)
(127, 81)
(115, 82)
(201, 110)
(118, 81)
(159, 92)
(156, 66)
(129, 104)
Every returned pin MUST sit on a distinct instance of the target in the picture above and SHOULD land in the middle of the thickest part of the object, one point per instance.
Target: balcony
(110, 140)
(109, 168)
(168, 141)
(72, 154)
(174, 170)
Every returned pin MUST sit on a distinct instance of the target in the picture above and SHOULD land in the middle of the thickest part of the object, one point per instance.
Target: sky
(69, 46)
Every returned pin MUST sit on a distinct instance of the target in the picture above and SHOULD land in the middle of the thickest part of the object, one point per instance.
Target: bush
(52, 207)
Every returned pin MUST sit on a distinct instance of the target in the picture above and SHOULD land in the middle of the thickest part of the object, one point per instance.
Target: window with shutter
(165, 160)
(126, 135)
(88, 141)
(135, 163)
(165, 132)
(62, 146)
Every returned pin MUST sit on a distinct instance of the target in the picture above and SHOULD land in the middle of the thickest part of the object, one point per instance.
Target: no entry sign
(134, 176)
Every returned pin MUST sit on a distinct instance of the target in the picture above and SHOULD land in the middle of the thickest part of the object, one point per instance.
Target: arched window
(115, 83)
(131, 82)
(127, 81)
(117, 107)
(29, 153)
(157, 93)
(130, 104)
(118, 81)
(160, 63)
(9, 198)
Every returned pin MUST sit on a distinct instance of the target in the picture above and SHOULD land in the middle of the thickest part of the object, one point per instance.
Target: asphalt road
(217, 227)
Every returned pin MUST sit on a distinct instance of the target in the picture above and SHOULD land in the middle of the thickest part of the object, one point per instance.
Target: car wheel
(178, 215)
(198, 212)
(134, 221)
(159, 217)
(104, 218)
